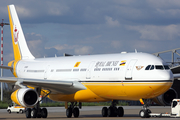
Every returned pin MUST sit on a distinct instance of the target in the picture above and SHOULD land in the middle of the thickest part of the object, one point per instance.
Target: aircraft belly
(80, 96)
(128, 91)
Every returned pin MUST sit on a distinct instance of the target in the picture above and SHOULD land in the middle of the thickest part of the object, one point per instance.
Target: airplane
(86, 78)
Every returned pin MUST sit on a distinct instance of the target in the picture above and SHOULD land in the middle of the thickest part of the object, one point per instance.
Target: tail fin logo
(16, 33)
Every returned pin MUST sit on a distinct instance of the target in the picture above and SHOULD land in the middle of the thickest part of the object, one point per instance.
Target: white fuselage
(94, 68)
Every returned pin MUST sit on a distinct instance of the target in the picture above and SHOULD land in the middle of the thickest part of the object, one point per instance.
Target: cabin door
(47, 72)
(129, 69)
(89, 70)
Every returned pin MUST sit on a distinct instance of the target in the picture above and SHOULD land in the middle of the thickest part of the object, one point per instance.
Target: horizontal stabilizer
(5, 67)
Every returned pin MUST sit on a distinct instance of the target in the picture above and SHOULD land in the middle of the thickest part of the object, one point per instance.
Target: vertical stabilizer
(21, 50)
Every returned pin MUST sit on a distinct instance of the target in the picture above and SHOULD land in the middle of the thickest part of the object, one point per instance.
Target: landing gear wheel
(76, 112)
(120, 112)
(114, 111)
(69, 112)
(110, 112)
(148, 112)
(39, 113)
(143, 114)
(44, 113)
(33, 113)
(28, 113)
(104, 111)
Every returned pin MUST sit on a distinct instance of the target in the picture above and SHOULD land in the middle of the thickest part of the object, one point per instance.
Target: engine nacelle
(166, 98)
(25, 97)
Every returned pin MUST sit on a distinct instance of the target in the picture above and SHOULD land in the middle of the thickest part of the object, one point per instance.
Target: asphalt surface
(90, 112)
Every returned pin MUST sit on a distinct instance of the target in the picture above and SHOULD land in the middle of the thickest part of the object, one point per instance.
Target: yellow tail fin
(21, 50)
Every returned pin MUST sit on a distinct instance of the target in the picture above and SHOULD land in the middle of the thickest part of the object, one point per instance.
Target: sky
(86, 27)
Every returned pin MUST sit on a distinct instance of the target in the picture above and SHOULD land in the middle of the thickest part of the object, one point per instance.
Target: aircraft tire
(104, 112)
(148, 112)
(110, 112)
(28, 113)
(76, 112)
(120, 112)
(33, 113)
(44, 113)
(143, 113)
(39, 113)
(39, 116)
(114, 111)
(69, 112)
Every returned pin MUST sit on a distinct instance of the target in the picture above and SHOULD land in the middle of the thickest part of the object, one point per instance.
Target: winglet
(21, 50)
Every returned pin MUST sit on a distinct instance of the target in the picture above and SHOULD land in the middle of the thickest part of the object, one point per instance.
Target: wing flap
(58, 86)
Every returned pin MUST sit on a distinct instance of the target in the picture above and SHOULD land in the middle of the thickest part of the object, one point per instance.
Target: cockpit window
(152, 67)
(147, 68)
(166, 67)
(159, 67)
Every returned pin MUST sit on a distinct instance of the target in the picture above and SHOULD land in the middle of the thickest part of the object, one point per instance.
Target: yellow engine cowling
(25, 97)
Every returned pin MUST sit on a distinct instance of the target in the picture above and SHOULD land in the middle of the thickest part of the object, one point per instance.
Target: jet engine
(25, 97)
(166, 98)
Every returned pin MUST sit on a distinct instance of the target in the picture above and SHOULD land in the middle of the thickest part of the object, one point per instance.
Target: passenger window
(147, 68)
(152, 67)
(159, 67)
(166, 67)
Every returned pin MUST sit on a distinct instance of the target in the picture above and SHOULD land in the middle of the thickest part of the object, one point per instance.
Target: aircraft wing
(176, 76)
(176, 69)
(58, 86)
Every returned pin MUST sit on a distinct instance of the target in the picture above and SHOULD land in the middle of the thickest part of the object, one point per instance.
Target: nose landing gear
(144, 113)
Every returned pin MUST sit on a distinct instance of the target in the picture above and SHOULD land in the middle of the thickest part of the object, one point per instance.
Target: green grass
(4, 105)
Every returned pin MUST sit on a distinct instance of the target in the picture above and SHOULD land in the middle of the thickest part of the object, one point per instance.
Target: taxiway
(88, 113)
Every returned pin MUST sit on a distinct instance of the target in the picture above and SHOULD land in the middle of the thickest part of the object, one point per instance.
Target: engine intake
(26, 97)
(166, 98)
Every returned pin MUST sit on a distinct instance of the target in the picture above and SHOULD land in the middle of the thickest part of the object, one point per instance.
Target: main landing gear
(37, 112)
(144, 113)
(113, 111)
(73, 109)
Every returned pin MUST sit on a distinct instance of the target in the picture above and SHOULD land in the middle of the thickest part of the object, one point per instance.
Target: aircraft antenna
(2, 24)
